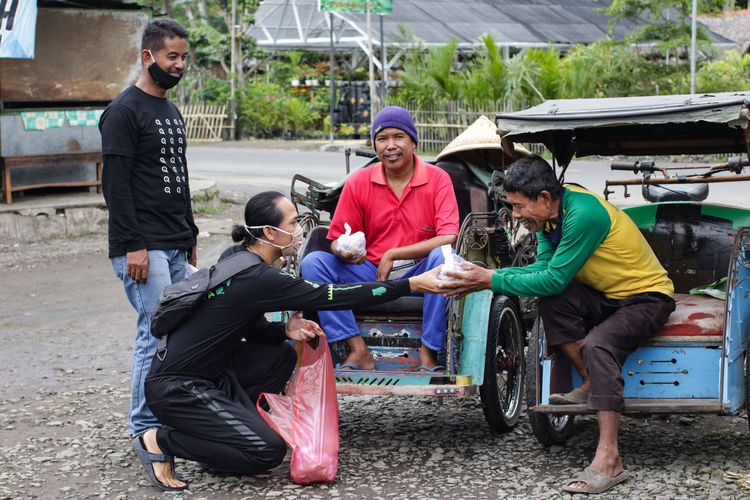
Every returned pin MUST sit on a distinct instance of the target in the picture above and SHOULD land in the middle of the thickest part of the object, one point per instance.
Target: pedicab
(485, 338)
(698, 362)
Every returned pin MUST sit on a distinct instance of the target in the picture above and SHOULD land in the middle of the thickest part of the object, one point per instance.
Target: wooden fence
(438, 125)
(204, 122)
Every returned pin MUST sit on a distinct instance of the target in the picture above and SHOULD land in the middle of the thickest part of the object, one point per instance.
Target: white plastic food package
(452, 262)
(352, 243)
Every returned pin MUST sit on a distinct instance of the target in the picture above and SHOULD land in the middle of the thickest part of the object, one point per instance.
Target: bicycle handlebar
(636, 167)
(624, 165)
(367, 153)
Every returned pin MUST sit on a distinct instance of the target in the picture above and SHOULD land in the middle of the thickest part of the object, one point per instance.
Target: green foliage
(257, 112)
(486, 72)
(214, 90)
(731, 73)
(269, 110)
(208, 46)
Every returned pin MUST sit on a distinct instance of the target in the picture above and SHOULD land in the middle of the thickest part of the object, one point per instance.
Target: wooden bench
(14, 162)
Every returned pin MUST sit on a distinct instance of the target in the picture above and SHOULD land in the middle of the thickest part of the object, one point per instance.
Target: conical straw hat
(482, 134)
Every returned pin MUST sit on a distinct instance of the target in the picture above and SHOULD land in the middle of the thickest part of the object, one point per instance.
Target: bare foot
(359, 354)
(427, 357)
(364, 360)
(162, 470)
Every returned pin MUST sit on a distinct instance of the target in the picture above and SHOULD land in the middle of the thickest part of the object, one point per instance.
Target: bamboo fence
(204, 122)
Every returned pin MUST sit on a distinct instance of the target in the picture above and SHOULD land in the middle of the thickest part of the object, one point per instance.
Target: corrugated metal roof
(91, 4)
(514, 23)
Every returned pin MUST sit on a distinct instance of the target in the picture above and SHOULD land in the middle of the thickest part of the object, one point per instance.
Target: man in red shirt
(407, 209)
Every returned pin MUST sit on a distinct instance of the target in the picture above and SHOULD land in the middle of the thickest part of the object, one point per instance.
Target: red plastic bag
(307, 417)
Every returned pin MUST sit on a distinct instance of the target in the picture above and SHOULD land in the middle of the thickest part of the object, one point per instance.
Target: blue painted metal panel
(673, 372)
(738, 325)
(546, 370)
(474, 326)
(661, 372)
(394, 345)
(391, 330)
(395, 358)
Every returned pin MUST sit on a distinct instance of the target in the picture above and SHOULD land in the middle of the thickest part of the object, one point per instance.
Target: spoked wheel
(549, 429)
(502, 390)
(747, 385)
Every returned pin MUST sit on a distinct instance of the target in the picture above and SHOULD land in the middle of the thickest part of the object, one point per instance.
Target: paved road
(66, 331)
(251, 170)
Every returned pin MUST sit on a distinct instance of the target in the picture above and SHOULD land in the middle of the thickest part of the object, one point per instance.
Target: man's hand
(302, 329)
(348, 257)
(426, 282)
(193, 259)
(137, 265)
(469, 279)
(384, 268)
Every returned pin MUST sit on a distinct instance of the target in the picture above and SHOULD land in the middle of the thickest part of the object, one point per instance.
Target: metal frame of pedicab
(476, 361)
(678, 374)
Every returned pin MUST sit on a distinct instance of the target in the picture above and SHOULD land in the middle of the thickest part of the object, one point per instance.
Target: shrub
(730, 73)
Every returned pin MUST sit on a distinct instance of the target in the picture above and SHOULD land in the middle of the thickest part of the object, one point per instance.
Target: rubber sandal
(147, 459)
(595, 482)
(575, 397)
(349, 366)
(177, 475)
(434, 369)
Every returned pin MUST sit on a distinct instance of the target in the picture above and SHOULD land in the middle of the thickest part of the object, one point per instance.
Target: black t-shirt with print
(145, 177)
(204, 345)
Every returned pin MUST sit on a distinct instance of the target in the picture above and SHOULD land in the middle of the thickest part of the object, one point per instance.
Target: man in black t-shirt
(151, 229)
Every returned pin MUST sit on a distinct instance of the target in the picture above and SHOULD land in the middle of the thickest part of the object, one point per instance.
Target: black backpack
(178, 300)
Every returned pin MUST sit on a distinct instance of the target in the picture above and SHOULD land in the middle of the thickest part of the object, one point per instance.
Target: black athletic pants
(215, 421)
(609, 330)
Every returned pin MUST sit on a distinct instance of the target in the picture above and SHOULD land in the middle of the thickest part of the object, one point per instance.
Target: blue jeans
(164, 268)
(324, 267)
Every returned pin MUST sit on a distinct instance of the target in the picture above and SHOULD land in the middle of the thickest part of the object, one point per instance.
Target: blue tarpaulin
(17, 29)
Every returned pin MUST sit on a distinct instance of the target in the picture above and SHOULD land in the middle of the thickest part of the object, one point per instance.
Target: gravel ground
(66, 331)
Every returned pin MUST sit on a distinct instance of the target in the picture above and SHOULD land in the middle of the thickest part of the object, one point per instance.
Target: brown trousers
(610, 330)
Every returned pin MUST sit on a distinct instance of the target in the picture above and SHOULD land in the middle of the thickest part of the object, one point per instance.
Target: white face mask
(286, 250)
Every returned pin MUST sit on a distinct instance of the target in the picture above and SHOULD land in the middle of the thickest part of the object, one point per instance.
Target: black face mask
(161, 77)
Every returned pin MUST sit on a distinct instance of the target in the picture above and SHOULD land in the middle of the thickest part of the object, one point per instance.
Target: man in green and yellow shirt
(602, 292)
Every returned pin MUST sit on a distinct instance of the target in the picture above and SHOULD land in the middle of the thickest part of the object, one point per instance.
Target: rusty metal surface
(81, 55)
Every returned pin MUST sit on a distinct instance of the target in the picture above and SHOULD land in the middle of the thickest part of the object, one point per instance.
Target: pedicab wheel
(747, 385)
(502, 390)
(549, 429)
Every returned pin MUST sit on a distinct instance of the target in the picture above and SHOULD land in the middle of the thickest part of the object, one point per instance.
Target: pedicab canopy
(635, 126)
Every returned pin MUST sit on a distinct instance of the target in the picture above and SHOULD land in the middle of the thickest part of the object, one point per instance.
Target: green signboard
(356, 6)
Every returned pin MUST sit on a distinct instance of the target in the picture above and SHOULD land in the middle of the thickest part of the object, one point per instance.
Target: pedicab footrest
(402, 384)
(638, 405)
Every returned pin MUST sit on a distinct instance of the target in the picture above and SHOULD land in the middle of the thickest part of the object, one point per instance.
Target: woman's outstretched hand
(427, 282)
(468, 278)
(299, 328)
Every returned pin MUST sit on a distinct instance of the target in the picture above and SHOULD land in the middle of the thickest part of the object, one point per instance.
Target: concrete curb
(37, 218)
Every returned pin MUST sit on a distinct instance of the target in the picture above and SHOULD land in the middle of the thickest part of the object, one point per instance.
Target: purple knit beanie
(396, 117)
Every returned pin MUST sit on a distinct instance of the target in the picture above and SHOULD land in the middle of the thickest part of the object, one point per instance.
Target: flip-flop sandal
(349, 366)
(595, 482)
(575, 397)
(147, 459)
(434, 369)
